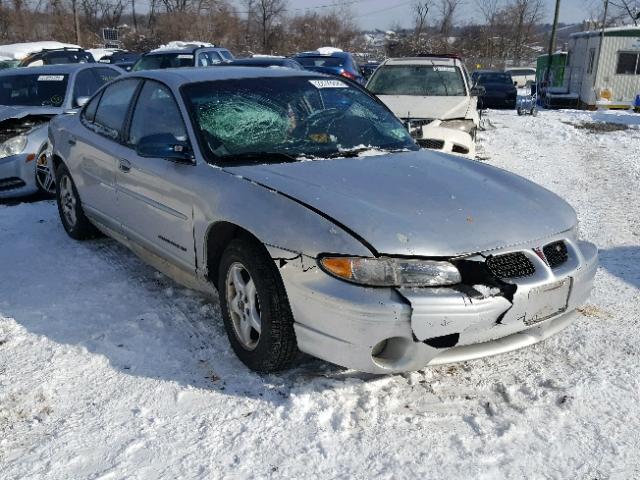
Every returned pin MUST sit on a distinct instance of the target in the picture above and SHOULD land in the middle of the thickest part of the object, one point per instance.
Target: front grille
(10, 183)
(556, 253)
(431, 143)
(511, 265)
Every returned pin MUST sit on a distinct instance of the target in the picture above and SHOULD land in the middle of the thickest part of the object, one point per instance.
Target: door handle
(124, 165)
(71, 140)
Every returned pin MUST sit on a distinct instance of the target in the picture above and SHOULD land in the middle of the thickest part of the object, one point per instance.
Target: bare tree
(268, 12)
(447, 14)
(421, 11)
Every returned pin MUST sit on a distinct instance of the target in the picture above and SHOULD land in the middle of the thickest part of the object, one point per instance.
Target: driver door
(153, 193)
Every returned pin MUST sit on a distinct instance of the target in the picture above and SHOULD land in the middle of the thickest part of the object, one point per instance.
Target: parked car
(194, 56)
(333, 63)
(6, 63)
(57, 56)
(324, 228)
(522, 77)
(367, 69)
(123, 59)
(29, 98)
(265, 61)
(499, 90)
(433, 97)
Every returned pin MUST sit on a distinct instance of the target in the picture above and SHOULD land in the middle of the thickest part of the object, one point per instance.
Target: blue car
(334, 63)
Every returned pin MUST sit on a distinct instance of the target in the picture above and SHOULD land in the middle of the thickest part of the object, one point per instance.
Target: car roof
(318, 54)
(484, 72)
(261, 61)
(63, 68)
(182, 50)
(180, 76)
(423, 61)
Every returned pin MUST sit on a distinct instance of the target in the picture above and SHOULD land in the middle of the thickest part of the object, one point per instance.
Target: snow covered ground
(108, 370)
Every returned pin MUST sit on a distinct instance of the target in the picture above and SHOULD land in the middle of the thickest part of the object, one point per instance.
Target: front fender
(276, 220)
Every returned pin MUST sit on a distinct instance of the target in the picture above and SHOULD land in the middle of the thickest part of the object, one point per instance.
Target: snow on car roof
(179, 44)
(18, 51)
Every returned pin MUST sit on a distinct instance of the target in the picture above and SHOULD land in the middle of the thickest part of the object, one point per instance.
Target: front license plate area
(548, 301)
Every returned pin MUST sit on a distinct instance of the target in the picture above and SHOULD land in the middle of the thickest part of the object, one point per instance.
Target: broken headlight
(391, 272)
(13, 146)
(462, 125)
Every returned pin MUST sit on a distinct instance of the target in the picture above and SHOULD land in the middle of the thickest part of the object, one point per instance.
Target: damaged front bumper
(385, 330)
(433, 136)
(17, 175)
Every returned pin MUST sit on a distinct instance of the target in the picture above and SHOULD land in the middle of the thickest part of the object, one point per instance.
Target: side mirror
(165, 145)
(82, 101)
(515, 84)
(478, 91)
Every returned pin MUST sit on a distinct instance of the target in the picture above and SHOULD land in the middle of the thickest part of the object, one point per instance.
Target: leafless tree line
(260, 26)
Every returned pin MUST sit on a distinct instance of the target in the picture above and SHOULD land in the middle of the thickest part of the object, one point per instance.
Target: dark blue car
(335, 63)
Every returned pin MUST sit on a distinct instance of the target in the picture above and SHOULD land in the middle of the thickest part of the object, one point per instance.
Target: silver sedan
(305, 203)
(29, 98)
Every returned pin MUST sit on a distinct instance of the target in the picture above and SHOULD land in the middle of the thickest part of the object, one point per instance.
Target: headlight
(391, 272)
(13, 146)
(462, 125)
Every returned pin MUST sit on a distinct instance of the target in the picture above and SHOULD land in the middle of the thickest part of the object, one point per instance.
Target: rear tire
(255, 308)
(72, 216)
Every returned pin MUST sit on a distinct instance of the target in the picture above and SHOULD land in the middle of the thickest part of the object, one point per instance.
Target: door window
(113, 107)
(156, 112)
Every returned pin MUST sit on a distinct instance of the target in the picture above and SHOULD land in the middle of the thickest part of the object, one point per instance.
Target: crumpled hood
(421, 203)
(411, 106)
(7, 111)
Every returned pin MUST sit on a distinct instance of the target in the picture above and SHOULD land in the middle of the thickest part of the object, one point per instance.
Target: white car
(434, 99)
(522, 76)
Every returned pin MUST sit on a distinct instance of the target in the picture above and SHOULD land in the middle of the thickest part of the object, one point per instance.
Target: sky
(384, 14)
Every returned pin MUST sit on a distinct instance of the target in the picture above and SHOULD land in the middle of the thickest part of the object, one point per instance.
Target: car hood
(7, 112)
(420, 203)
(415, 106)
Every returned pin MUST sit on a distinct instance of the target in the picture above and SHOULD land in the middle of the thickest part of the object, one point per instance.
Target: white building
(611, 79)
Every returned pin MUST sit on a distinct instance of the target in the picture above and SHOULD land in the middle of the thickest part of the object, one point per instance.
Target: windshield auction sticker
(328, 84)
(51, 78)
(444, 69)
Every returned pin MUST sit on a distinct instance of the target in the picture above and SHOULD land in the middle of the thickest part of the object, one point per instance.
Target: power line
(384, 9)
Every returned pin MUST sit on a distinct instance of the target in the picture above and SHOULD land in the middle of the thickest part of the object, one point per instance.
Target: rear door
(97, 148)
(153, 193)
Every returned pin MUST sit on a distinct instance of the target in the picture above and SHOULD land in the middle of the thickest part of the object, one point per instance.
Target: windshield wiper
(355, 152)
(259, 157)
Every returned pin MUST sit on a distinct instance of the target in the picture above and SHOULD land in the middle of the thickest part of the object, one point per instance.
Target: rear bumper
(497, 102)
(17, 176)
(379, 330)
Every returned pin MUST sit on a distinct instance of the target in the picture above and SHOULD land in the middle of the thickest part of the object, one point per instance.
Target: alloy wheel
(44, 175)
(68, 200)
(244, 306)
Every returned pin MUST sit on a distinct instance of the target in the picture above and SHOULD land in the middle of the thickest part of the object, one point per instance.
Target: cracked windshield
(283, 119)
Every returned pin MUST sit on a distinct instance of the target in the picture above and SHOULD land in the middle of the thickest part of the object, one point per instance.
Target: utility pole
(604, 25)
(76, 20)
(552, 42)
(133, 14)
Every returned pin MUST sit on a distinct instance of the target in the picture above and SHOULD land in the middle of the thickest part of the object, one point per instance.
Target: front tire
(255, 308)
(72, 216)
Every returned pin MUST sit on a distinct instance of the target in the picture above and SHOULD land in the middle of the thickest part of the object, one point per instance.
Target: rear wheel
(255, 308)
(70, 209)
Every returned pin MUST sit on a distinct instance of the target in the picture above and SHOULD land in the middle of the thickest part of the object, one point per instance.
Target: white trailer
(609, 78)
